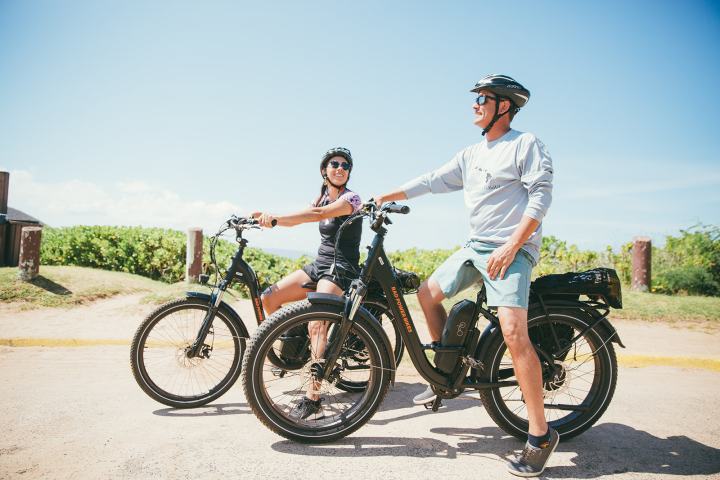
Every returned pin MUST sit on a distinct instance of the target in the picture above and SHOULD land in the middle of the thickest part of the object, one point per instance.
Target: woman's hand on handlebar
(264, 219)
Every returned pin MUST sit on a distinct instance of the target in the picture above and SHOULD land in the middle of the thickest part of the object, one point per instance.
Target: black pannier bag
(598, 282)
(409, 281)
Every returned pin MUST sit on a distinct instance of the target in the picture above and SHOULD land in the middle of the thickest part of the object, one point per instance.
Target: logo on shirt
(485, 178)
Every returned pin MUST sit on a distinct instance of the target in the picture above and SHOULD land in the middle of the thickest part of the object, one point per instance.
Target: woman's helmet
(504, 87)
(335, 152)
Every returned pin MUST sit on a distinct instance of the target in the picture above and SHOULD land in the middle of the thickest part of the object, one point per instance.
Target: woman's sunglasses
(482, 99)
(335, 164)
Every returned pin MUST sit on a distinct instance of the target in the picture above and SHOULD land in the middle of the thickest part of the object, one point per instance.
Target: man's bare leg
(430, 297)
(513, 322)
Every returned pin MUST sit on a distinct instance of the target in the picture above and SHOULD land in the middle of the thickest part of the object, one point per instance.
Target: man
(507, 184)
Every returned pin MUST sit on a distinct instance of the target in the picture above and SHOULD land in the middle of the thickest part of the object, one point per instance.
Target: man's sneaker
(425, 397)
(306, 407)
(428, 396)
(531, 462)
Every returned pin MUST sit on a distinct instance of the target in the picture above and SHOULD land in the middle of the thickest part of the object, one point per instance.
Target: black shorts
(342, 275)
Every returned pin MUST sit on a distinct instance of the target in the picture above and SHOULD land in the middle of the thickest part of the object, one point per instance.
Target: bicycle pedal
(434, 405)
(278, 372)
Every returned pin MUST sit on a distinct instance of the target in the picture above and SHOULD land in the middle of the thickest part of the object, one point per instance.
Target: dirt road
(76, 412)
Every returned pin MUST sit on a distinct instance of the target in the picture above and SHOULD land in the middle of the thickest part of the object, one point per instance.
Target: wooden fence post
(641, 260)
(193, 256)
(29, 265)
(4, 188)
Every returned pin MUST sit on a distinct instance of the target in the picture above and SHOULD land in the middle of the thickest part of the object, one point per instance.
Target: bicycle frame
(378, 266)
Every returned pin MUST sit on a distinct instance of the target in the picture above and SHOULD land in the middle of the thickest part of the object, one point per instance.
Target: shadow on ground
(605, 449)
(401, 395)
(205, 411)
(50, 286)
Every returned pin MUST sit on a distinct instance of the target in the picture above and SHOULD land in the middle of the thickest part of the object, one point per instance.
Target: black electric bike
(572, 337)
(188, 352)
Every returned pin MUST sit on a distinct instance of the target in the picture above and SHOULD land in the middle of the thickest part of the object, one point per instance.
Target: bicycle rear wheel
(577, 387)
(163, 370)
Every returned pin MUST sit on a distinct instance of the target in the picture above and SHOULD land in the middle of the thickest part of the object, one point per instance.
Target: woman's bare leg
(318, 335)
(288, 289)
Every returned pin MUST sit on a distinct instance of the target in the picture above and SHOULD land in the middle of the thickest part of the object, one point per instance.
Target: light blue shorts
(454, 275)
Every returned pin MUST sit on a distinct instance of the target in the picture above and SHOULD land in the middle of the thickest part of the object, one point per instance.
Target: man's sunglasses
(482, 99)
(335, 164)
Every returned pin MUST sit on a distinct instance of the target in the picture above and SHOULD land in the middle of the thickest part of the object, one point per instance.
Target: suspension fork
(215, 299)
(236, 265)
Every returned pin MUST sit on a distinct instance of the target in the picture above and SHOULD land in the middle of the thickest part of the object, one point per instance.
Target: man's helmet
(335, 152)
(504, 87)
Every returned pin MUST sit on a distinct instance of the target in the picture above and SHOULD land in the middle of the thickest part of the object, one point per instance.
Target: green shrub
(686, 280)
(688, 264)
(422, 262)
(151, 252)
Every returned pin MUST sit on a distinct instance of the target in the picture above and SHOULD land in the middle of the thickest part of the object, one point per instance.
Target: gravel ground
(77, 413)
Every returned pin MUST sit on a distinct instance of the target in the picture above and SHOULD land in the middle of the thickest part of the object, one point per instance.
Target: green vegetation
(699, 311)
(71, 286)
(668, 308)
(688, 264)
(151, 252)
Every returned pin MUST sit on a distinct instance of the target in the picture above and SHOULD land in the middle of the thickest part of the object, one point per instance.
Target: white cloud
(77, 202)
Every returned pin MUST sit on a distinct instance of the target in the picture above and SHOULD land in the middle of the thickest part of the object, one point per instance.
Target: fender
(604, 327)
(338, 301)
(226, 309)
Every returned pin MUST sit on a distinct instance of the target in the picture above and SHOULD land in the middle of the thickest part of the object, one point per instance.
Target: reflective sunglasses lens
(481, 99)
(335, 164)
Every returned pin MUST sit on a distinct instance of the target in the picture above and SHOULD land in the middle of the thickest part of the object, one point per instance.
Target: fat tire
(262, 340)
(604, 379)
(171, 399)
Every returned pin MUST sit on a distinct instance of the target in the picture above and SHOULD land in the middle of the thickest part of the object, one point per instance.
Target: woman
(331, 272)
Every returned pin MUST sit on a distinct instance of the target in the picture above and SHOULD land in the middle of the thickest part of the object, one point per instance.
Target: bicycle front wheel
(161, 366)
(276, 395)
(578, 384)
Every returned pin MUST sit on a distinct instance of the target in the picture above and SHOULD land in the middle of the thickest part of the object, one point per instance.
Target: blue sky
(176, 114)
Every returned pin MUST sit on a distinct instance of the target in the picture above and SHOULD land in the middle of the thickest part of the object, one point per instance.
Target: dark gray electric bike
(567, 322)
(188, 352)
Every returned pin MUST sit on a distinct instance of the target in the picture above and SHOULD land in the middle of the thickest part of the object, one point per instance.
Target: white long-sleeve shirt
(502, 180)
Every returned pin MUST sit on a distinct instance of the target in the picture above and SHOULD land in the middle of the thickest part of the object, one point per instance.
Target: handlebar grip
(274, 222)
(395, 208)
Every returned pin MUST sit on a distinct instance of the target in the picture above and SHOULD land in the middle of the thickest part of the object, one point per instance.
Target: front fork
(352, 303)
(196, 349)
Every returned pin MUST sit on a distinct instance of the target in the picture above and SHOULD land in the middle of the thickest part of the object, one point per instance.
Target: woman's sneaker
(531, 462)
(306, 407)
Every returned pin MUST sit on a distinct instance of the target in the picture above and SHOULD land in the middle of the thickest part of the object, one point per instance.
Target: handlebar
(243, 223)
(393, 207)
